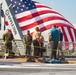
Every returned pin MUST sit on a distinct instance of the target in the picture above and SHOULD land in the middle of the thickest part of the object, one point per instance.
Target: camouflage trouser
(28, 49)
(8, 47)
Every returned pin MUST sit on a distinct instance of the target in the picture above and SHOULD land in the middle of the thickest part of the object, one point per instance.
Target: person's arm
(3, 37)
(33, 35)
(49, 38)
(62, 36)
(11, 36)
(31, 39)
(24, 39)
(43, 39)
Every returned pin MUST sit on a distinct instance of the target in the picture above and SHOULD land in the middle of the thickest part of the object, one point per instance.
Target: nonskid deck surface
(18, 66)
(33, 60)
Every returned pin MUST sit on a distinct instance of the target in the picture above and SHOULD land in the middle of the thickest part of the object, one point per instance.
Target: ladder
(8, 12)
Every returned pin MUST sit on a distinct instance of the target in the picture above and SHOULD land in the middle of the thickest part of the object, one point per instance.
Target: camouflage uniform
(8, 37)
(27, 41)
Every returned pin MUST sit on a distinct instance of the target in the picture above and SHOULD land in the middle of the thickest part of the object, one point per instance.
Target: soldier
(41, 41)
(8, 38)
(27, 39)
(36, 35)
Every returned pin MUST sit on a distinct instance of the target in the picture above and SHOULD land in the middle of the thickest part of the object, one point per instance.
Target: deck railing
(19, 50)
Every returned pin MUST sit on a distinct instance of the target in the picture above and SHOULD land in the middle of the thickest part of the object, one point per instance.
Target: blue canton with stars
(22, 5)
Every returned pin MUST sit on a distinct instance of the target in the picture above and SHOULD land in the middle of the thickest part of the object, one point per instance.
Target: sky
(67, 8)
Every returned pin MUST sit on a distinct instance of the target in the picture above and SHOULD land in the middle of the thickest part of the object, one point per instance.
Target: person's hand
(13, 40)
(48, 42)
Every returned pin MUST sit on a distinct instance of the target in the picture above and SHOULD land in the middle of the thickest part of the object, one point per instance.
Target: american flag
(31, 14)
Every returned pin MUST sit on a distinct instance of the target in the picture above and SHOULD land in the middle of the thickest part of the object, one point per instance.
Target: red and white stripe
(44, 17)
